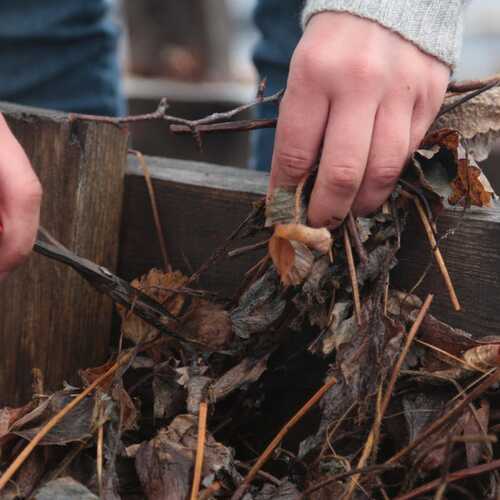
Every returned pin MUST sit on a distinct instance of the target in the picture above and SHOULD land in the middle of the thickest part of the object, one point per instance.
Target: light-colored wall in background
(481, 51)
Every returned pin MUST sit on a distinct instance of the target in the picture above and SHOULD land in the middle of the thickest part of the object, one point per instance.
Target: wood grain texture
(472, 255)
(49, 317)
(200, 204)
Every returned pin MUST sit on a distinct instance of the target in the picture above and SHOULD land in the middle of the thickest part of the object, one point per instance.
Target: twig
(375, 430)
(352, 273)
(454, 476)
(261, 473)
(222, 250)
(342, 475)
(154, 207)
(21, 458)
(264, 457)
(99, 453)
(234, 126)
(248, 248)
(356, 239)
(452, 413)
(437, 253)
(468, 97)
(158, 114)
(213, 488)
(200, 450)
(470, 85)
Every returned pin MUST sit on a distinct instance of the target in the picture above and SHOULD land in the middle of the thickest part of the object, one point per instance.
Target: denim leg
(61, 54)
(279, 24)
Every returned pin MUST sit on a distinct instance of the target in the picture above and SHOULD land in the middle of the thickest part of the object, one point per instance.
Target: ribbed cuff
(435, 26)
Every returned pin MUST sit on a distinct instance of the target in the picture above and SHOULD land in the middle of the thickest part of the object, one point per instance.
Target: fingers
(343, 160)
(388, 153)
(20, 198)
(300, 128)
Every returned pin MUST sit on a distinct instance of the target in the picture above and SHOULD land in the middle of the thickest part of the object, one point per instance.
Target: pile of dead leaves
(318, 380)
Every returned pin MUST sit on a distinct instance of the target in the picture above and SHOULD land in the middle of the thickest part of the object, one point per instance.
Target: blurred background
(197, 53)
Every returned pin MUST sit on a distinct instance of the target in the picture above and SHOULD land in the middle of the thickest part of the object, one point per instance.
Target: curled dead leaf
(471, 185)
(162, 287)
(207, 323)
(319, 239)
(484, 357)
(290, 249)
(292, 259)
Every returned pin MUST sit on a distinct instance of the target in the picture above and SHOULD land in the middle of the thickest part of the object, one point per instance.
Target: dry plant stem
(213, 488)
(200, 450)
(470, 85)
(222, 250)
(154, 207)
(453, 476)
(99, 458)
(468, 97)
(451, 356)
(342, 475)
(437, 253)
(356, 239)
(234, 126)
(442, 421)
(261, 473)
(248, 248)
(264, 457)
(375, 430)
(352, 273)
(160, 114)
(21, 458)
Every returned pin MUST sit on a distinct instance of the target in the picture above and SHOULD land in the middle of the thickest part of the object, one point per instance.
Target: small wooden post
(50, 318)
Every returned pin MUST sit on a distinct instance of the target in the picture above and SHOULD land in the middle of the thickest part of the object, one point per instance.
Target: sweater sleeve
(435, 26)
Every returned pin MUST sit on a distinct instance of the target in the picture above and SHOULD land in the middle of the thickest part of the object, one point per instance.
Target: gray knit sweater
(433, 25)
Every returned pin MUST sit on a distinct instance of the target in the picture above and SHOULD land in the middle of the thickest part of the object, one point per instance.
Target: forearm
(435, 26)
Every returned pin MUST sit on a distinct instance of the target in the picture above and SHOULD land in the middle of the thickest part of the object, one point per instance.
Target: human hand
(359, 100)
(20, 198)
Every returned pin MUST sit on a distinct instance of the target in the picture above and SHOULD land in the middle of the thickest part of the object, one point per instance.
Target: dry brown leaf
(164, 464)
(283, 255)
(484, 357)
(477, 425)
(318, 239)
(470, 185)
(160, 286)
(290, 249)
(477, 120)
(208, 324)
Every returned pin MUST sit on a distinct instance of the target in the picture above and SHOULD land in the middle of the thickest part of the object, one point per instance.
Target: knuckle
(311, 64)
(386, 175)
(293, 164)
(367, 70)
(343, 178)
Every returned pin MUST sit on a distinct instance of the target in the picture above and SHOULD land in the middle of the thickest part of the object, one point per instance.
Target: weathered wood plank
(49, 317)
(200, 204)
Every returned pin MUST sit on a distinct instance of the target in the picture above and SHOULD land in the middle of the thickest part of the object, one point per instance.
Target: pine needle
(437, 252)
(154, 207)
(200, 450)
(266, 454)
(375, 431)
(22, 457)
(352, 273)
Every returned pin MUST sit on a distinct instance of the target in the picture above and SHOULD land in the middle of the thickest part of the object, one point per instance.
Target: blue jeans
(60, 55)
(279, 24)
